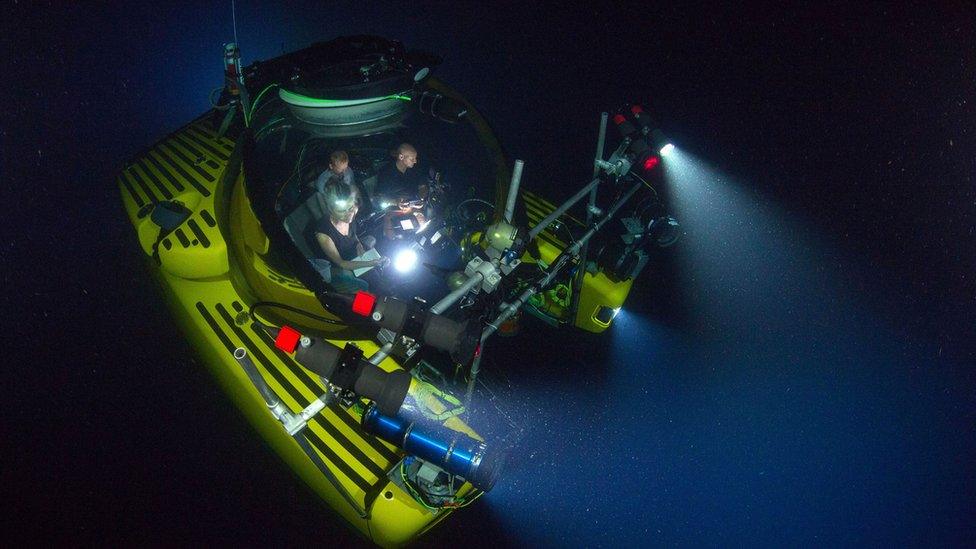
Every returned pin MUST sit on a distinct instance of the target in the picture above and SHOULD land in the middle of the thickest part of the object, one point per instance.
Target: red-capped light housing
(651, 162)
(287, 339)
(363, 303)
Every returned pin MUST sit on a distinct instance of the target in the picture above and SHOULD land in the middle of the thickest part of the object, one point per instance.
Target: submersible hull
(205, 285)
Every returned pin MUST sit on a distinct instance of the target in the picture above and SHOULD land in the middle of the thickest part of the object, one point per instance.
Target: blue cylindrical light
(452, 451)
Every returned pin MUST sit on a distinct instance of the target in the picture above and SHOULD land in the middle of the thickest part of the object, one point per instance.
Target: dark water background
(799, 370)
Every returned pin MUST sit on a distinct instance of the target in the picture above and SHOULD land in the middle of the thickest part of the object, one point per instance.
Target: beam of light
(746, 264)
(667, 150)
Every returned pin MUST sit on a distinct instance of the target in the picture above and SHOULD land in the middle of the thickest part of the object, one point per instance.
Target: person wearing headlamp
(337, 240)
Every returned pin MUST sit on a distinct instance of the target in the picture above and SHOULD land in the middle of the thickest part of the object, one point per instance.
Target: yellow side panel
(597, 290)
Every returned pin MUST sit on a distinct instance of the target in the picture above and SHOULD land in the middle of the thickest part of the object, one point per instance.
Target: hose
(254, 105)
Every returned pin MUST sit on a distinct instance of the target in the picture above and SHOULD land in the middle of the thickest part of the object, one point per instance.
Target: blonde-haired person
(338, 167)
(337, 239)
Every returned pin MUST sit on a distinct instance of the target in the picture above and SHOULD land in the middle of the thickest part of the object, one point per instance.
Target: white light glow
(667, 149)
(405, 261)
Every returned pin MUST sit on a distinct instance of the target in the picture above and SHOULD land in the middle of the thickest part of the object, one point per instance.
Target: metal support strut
(590, 212)
(560, 262)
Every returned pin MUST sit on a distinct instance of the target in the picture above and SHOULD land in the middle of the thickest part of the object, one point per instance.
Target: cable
(286, 307)
(568, 232)
(463, 202)
(213, 102)
(415, 494)
(648, 185)
(254, 105)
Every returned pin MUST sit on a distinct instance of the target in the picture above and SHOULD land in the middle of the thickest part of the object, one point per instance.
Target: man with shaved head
(397, 186)
(395, 182)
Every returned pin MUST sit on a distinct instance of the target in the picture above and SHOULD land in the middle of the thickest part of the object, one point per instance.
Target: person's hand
(407, 205)
(379, 261)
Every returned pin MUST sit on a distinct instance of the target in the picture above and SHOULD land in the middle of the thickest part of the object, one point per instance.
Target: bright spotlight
(405, 261)
(667, 149)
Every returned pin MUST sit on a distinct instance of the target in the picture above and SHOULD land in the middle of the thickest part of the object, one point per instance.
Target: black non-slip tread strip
(142, 185)
(189, 146)
(362, 483)
(195, 131)
(201, 142)
(544, 206)
(302, 374)
(170, 148)
(167, 174)
(167, 194)
(132, 192)
(199, 233)
(208, 218)
(210, 134)
(143, 165)
(181, 236)
(315, 388)
(296, 395)
(175, 166)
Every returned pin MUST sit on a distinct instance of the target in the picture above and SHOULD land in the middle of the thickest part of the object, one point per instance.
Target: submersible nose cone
(456, 279)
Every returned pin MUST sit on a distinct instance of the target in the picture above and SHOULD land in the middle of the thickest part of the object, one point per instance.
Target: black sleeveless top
(346, 244)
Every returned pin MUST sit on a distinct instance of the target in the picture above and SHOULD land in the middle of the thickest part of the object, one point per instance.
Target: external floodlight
(661, 143)
(406, 260)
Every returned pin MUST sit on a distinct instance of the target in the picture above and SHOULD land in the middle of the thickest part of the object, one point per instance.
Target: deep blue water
(798, 370)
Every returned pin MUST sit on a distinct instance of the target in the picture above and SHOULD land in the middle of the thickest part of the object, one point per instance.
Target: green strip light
(254, 105)
(306, 101)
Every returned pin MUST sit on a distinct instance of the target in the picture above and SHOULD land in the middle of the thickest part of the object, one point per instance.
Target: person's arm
(329, 247)
(321, 181)
(360, 250)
